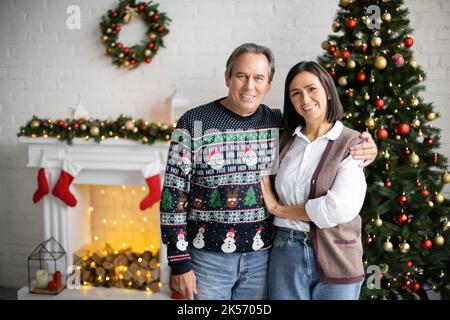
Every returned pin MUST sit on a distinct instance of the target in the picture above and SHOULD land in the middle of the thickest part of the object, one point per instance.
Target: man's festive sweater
(211, 198)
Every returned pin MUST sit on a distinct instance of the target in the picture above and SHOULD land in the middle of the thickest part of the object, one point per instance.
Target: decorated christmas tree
(250, 197)
(215, 201)
(405, 216)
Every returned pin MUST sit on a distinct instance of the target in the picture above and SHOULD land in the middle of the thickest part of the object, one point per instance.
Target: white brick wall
(45, 68)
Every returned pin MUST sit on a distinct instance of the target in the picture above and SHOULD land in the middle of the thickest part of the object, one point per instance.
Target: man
(217, 157)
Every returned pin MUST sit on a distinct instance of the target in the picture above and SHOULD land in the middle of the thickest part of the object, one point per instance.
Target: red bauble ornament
(402, 129)
(155, 18)
(424, 192)
(141, 7)
(331, 50)
(117, 29)
(349, 93)
(428, 141)
(382, 134)
(379, 104)
(418, 184)
(398, 60)
(132, 61)
(64, 124)
(401, 102)
(368, 240)
(119, 45)
(332, 72)
(351, 23)
(388, 183)
(416, 286)
(407, 151)
(126, 50)
(426, 244)
(114, 14)
(406, 284)
(144, 126)
(363, 48)
(151, 45)
(75, 125)
(160, 29)
(402, 200)
(148, 60)
(435, 158)
(401, 219)
(409, 263)
(361, 76)
(345, 55)
(408, 42)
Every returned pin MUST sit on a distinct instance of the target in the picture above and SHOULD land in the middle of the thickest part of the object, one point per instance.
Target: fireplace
(106, 217)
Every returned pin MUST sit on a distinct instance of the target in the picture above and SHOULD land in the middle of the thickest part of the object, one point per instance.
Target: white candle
(42, 279)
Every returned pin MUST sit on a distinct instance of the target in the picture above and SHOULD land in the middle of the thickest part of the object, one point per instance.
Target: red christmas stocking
(151, 174)
(42, 184)
(61, 190)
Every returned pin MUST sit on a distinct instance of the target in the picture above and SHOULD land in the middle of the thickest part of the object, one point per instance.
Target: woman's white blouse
(341, 203)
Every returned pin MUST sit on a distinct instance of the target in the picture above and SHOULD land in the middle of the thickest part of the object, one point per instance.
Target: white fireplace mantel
(110, 162)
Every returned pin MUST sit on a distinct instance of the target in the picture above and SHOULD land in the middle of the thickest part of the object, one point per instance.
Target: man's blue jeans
(293, 271)
(230, 276)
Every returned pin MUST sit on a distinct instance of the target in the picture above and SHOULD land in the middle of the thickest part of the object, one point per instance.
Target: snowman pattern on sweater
(181, 243)
(229, 245)
(199, 241)
(258, 243)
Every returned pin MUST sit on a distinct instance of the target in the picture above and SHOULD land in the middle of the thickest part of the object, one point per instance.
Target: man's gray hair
(251, 48)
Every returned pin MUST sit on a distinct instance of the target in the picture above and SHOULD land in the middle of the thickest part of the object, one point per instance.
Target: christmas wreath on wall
(128, 10)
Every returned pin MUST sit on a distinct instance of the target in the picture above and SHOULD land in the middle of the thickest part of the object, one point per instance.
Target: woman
(317, 251)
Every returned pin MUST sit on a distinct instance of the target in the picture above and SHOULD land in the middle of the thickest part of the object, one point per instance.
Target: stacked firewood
(120, 269)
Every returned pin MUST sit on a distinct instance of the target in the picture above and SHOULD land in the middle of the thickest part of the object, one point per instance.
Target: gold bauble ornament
(358, 43)
(83, 127)
(413, 63)
(325, 44)
(109, 30)
(414, 158)
(376, 42)
(378, 222)
(129, 125)
(419, 77)
(370, 123)
(344, 3)
(35, 124)
(336, 26)
(386, 16)
(342, 81)
(430, 203)
(148, 53)
(404, 247)
(94, 131)
(415, 123)
(366, 96)
(386, 154)
(121, 55)
(351, 64)
(414, 102)
(420, 133)
(430, 116)
(445, 177)
(384, 268)
(439, 240)
(135, 130)
(388, 246)
(380, 62)
(104, 38)
(439, 198)
(126, 64)
(372, 79)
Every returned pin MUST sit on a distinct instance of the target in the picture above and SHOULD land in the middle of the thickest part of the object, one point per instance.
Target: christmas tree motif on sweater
(166, 200)
(214, 200)
(215, 160)
(232, 197)
(228, 245)
(250, 157)
(250, 197)
(199, 241)
(257, 241)
(181, 243)
(182, 201)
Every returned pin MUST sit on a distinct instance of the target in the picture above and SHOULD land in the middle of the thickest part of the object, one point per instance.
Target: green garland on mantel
(121, 128)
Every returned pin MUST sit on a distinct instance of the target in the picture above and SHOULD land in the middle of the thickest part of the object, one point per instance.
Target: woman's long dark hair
(290, 117)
